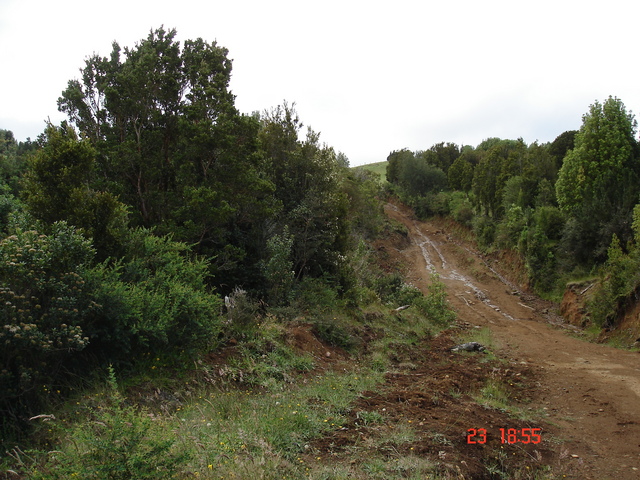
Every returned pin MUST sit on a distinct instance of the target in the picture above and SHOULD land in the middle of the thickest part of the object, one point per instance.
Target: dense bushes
(116, 442)
(46, 309)
(60, 312)
(619, 279)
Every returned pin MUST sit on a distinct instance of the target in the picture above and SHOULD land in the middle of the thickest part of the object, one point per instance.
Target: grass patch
(493, 395)
(379, 167)
(481, 335)
(215, 434)
(397, 436)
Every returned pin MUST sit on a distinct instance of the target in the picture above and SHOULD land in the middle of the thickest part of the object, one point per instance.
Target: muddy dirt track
(591, 393)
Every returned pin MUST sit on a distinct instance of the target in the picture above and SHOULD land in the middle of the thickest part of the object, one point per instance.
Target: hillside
(379, 167)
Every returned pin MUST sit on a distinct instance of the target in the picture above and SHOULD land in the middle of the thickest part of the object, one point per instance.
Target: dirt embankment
(590, 393)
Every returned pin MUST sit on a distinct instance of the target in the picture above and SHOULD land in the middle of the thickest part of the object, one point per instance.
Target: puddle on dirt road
(427, 246)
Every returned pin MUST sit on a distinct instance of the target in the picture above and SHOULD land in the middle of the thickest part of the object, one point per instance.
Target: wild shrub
(484, 229)
(167, 293)
(388, 286)
(46, 307)
(278, 268)
(510, 228)
(619, 280)
(550, 221)
(315, 295)
(434, 305)
(461, 208)
(61, 315)
(116, 442)
(333, 331)
(430, 204)
(541, 260)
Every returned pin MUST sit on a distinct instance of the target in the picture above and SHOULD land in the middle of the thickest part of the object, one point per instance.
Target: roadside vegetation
(187, 291)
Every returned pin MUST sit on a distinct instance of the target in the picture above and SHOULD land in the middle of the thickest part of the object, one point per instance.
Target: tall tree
(603, 167)
(561, 145)
(460, 173)
(172, 145)
(442, 155)
(395, 162)
(135, 111)
(308, 180)
(598, 183)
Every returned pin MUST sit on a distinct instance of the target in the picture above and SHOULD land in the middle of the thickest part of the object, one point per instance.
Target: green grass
(379, 167)
(217, 433)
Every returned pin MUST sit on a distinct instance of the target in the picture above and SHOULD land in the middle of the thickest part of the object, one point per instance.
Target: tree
(308, 184)
(395, 162)
(10, 165)
(598, 183)
(603, 167)
(442, 155)
(418, 178)
(58, 186)
(414, 173)
(137, 112)
(460, 173)
(561, 145)
(486, 187)
(171, 145)
(500, 160)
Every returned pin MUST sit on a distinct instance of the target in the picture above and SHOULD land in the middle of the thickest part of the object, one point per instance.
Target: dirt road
(590, 392)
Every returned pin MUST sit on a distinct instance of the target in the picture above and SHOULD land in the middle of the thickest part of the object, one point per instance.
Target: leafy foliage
(278, 268)
(46, 310)
(619, 279)
(118, 443)
(157, 296)
(598, 182)
(171, 145)
(308, 185)
(57, 186)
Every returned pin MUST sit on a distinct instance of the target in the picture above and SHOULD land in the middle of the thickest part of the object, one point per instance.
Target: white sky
(372, 77)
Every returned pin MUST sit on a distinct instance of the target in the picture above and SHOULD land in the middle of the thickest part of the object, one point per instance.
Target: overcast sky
(372, 77)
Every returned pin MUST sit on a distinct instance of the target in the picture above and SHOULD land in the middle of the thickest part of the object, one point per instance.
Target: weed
(369, 418)
(440, 439)
(115, 442)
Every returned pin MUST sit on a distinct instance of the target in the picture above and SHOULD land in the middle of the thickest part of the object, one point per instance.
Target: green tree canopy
(171, 145)
(598, 183)
(308, 184)
(58, 186)
(602, 169)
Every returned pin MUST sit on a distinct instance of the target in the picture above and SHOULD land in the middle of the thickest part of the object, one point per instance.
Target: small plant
(116, 442)
(435, 304)
(332, 331)
(369, 418)
(494, 395)
(440, 439)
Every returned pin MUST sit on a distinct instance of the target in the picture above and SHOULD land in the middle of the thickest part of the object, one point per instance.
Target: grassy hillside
(379, 168)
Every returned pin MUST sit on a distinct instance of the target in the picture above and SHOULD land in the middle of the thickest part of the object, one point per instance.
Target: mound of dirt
(573, 305)
(431, 397)
(302, 339)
